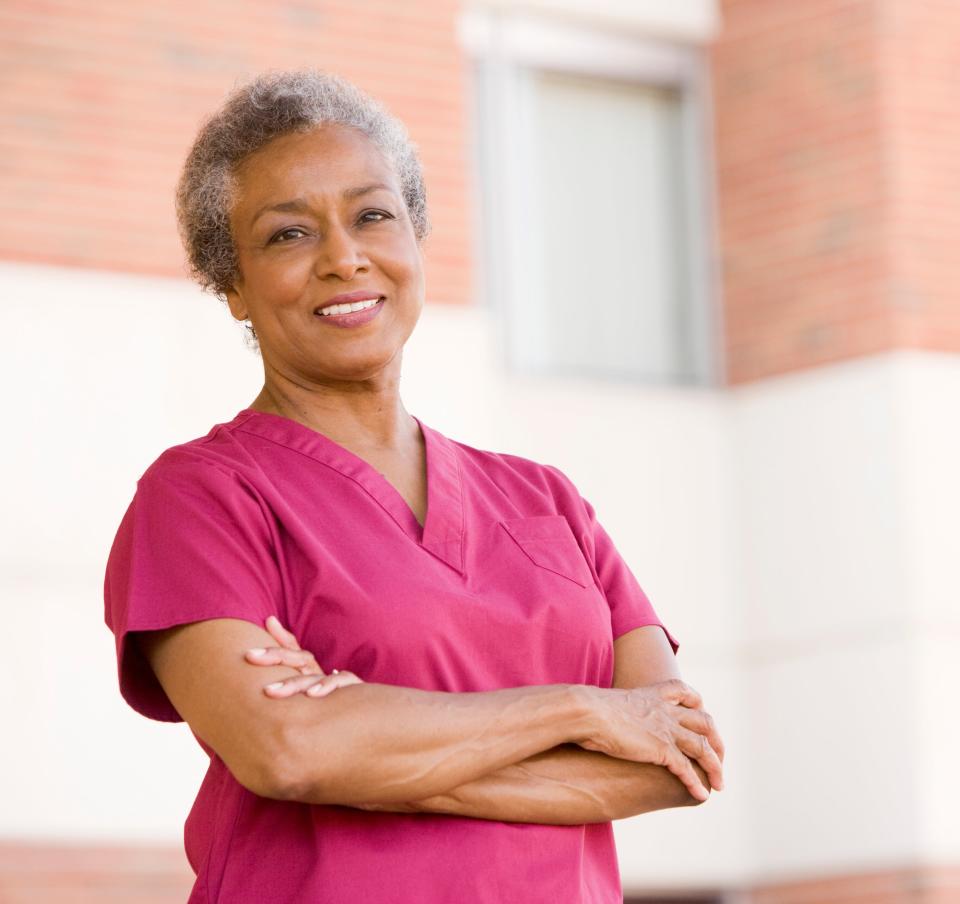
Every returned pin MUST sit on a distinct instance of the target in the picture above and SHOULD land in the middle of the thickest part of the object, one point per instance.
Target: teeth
(346, 308)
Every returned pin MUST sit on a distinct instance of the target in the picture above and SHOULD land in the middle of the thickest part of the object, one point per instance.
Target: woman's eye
(279, 237)
(294, 232)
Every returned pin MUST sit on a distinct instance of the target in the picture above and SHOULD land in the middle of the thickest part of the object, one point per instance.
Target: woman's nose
(340, 253)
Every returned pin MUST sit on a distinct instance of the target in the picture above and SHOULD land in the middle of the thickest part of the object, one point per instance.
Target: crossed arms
(568, 785)
(503, 755)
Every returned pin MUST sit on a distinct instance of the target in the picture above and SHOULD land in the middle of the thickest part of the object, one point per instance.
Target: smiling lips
(347, 299)
(332, 309)
(351, 313)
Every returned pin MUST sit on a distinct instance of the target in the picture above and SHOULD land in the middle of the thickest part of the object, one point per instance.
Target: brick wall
(838, 167)
(920, 41)
(100, 101)
(836, 139)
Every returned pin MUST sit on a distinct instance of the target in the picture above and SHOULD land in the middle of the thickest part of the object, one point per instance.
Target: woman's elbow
(263, 782)
(267, 776)
(293, 768)
(267, 765)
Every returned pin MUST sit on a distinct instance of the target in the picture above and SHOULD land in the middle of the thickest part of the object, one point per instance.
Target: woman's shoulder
(215, 454)
(513, 471)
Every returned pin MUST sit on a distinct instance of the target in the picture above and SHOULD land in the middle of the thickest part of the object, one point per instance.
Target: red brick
(99, 104)
(838, 171)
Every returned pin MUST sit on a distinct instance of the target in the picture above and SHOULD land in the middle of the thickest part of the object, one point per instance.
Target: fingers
(663, 723)
(700, 738)
(333, 681)
(282, 635)
(299, 659)
(701, 721)
(697, 747)
(312, 685)
(289, 687)
(683, 769)
(677, 691)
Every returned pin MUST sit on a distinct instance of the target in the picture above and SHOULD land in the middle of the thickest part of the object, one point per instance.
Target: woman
(504, 689)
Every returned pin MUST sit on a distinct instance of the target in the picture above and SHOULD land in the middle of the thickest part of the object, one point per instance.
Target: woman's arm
(565, 785)
(362, 743)
(569, 785)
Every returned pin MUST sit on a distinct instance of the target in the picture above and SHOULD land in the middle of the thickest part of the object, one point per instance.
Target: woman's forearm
(566, 785)
(382, 744)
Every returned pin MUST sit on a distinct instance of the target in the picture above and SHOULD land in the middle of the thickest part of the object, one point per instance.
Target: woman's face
(316, 215)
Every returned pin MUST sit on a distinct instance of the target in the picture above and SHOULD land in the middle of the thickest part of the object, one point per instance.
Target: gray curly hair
(272, 104)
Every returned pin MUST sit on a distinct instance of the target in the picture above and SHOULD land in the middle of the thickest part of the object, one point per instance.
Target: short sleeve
(193, 544)
(629, 606)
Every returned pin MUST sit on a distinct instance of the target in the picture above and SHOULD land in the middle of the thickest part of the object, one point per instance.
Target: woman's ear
(236, 304)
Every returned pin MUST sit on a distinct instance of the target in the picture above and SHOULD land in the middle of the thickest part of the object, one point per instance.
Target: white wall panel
(797, 534)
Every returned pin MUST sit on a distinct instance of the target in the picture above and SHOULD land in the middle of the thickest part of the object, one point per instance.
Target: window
(590, 200)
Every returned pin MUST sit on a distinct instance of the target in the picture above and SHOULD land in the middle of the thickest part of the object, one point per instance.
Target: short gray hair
(277, 103)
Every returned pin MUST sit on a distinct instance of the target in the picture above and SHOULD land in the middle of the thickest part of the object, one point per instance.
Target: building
(765, 195)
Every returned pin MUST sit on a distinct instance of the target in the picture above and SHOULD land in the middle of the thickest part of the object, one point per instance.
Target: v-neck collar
(442, 531)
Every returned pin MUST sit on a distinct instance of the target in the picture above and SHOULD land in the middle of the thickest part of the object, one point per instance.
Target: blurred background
(700, 254)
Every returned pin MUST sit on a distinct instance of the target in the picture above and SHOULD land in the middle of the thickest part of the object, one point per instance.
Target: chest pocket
(548, 541)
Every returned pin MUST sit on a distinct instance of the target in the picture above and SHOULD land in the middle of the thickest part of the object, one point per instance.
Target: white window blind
(609, 206)
(592, 232)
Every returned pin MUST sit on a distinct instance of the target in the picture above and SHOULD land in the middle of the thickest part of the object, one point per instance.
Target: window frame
(502, 47)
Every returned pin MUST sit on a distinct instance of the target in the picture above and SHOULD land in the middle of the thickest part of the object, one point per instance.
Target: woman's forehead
(330, 161)
(330, 147)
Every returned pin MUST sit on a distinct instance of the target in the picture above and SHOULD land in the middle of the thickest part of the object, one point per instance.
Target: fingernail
(316, 690)
(257, 651)
(274, 686)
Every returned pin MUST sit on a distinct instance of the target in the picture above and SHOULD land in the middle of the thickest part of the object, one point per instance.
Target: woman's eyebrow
(298, 205)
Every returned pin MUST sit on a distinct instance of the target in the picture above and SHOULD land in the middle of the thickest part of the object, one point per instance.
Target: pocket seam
(555, 529)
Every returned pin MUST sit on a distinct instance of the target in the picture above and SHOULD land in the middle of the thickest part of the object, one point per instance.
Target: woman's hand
(312, 679)
(662, 723)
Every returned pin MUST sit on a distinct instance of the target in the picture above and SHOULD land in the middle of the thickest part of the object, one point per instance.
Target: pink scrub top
(511, 581)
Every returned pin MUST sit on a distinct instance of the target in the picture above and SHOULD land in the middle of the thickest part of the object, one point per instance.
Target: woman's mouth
(350, 315)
